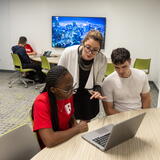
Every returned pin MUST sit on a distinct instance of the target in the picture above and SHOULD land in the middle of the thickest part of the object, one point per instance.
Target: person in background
(28, 48)
(53, 109)
(87, 65)
(126, 88)
(19, 49)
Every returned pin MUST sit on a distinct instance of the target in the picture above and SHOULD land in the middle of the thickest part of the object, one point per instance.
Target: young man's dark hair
(120, 55)
(22, 40)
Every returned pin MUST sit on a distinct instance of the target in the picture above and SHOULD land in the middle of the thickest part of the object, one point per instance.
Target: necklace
(84, 65)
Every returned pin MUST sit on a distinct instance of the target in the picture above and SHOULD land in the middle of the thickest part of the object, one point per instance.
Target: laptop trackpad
(106, 129)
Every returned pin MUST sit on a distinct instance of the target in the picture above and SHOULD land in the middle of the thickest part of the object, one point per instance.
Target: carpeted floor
(16, 103)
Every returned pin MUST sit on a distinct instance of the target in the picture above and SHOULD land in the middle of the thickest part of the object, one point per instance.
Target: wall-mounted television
(68, 31)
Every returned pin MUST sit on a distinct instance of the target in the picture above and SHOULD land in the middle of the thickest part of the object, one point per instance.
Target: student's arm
(32, 53)
(146, 100)
(30, 50)
(51, 138)
(108, 108)
(108, 91)
(73, 121)
(145, 94)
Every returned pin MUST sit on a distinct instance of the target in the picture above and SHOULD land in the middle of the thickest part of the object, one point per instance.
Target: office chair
(45, 68)
(19, 143)
(143, 64)
(109, 69)
(45, 64)
(18, 67)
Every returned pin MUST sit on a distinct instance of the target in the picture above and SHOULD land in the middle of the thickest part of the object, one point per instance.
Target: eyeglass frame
(91, 50)
(68, 91)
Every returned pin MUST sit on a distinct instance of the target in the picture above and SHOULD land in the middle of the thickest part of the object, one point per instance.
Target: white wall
(133, 24)
(5, 58)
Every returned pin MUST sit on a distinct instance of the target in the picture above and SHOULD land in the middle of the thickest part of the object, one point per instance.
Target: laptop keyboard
(102, 140)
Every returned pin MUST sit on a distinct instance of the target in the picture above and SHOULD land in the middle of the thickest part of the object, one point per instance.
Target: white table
(52, 60)
(144, 146)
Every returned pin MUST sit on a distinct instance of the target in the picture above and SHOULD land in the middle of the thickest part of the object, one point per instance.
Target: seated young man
(28, 48)
(26, 61)
(126, 88)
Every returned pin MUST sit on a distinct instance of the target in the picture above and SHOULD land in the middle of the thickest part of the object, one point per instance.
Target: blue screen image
(69, 31)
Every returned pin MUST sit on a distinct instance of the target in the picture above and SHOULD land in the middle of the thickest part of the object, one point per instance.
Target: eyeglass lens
(93, 51)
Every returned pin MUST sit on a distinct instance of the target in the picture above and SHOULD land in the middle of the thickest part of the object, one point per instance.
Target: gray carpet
(16, 102)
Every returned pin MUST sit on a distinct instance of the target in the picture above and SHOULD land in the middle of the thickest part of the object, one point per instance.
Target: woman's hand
(96, 95)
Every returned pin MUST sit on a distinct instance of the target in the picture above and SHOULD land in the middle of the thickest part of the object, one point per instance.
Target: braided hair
(52, 79)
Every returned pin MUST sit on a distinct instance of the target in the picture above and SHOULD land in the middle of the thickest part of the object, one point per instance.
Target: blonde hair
(95, 35)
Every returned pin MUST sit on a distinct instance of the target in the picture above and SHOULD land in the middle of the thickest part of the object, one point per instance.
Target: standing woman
(53, 110)
(87, 65)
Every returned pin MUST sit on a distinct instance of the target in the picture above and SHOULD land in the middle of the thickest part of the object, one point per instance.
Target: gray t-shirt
(125, 92)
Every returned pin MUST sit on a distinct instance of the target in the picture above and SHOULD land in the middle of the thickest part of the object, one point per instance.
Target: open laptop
(47, 53)
(111, 135)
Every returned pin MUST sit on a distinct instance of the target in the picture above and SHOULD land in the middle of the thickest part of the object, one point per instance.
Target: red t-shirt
(42, 115)
(28, 48)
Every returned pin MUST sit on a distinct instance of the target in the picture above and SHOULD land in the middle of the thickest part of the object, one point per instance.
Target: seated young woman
(53, 110)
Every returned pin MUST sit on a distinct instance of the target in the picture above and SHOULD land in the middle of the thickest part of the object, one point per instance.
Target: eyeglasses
(68, 91)
(93, 51)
